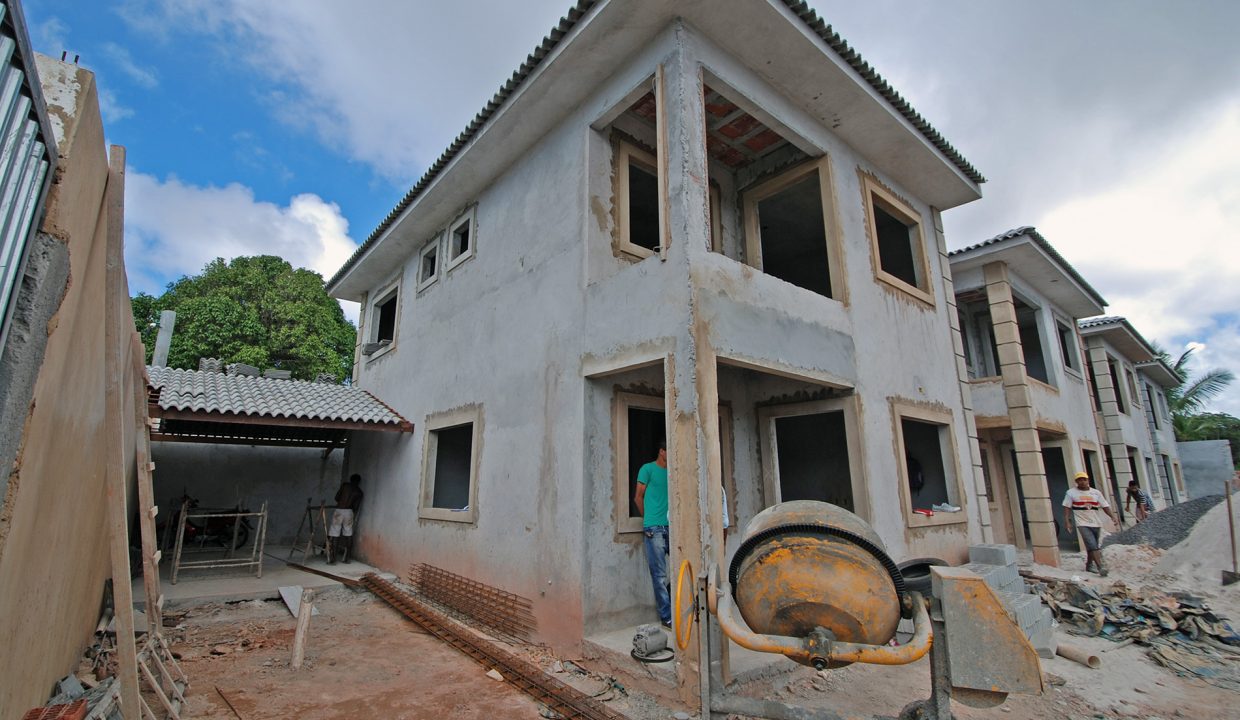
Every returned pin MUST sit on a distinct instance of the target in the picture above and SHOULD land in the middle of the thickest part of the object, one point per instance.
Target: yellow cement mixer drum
(806, 564)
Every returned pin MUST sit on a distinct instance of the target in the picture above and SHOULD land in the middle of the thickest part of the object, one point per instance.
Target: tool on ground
(813, 582)
(1231, 576)
(650, 645)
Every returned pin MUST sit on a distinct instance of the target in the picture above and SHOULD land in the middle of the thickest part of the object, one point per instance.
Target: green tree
(255, 310)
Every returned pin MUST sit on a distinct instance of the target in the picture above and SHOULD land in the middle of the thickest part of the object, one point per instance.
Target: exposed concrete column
(962, 375)
(695, 489)
(1112, 431)
(1039, 510)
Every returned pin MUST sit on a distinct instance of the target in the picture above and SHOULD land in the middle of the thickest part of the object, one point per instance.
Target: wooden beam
(118, 324)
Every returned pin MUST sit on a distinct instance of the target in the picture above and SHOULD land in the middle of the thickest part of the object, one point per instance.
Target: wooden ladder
(162, 674)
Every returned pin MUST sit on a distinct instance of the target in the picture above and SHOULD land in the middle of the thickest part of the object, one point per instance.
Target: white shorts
(342, 523)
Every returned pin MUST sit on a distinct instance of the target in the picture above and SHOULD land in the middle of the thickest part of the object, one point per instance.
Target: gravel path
(1166, 528)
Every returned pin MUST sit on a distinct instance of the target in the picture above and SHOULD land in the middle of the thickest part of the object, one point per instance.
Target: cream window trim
(435, 248)
(849, 405)
(627, 153)
(830, 221)
(876, 194)
(620, 432)
(468, 221)
(901, 410)
(444, 421)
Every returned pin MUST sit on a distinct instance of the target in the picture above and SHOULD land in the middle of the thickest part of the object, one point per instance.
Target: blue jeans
(655, 541)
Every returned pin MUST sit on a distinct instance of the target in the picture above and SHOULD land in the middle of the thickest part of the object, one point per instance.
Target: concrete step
(992, 554)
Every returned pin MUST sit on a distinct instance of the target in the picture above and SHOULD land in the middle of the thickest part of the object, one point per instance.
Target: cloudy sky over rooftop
(292, 128)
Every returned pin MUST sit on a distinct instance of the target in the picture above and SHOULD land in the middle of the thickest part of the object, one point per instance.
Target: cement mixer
(813, 582)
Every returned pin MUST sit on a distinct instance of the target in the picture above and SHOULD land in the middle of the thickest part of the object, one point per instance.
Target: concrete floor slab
(199, 586)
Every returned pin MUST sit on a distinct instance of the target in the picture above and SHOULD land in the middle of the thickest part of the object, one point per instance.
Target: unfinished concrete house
(709, 222)
(1124, 370)
(1019, 303)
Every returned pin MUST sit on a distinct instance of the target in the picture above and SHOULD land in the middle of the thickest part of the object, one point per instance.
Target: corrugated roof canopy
(199, 406)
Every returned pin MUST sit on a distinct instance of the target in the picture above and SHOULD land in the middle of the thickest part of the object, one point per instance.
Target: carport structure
(211, 407)
(232, 440)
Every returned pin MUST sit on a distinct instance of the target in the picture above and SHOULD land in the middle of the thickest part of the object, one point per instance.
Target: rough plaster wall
(42, 288)
(502, 330)
(867, 343)
(56, 553)
(1206, 465)
(225, 475)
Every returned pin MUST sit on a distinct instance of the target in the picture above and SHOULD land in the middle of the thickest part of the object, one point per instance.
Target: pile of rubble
(1183, 633)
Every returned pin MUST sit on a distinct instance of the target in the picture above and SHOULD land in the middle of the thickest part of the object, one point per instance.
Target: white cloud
(123, 61)
(50, 36)
(173, 229)
(389, 85)
(111, 108)
(1163, 247)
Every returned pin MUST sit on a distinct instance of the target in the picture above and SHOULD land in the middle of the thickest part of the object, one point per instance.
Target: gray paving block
(996, 576)
(1045, 643)
(992, 554)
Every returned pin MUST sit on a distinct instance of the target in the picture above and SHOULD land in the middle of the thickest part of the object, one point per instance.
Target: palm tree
(1187, 400)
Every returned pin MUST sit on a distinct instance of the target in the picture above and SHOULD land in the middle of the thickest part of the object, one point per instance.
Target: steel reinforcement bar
(497, 609)
(563, 699)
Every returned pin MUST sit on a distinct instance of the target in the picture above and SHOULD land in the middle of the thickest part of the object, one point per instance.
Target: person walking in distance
(1145, 504)
(1085, 505)
(651, 501)
(340, 534)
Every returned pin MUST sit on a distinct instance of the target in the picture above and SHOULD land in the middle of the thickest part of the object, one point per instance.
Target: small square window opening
(452, 449)
(896, 240)
(461, 240)
(928, 467)
(428, 265)
(385, 320)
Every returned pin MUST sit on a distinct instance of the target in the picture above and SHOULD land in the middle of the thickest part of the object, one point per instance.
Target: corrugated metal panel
(27, 154)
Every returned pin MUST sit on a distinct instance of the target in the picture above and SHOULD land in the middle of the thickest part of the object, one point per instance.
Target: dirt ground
(363, 659)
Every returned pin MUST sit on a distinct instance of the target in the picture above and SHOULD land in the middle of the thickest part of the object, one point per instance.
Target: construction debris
(1184, 635)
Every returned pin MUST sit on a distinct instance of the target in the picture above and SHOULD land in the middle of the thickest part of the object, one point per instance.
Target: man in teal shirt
(651, 501)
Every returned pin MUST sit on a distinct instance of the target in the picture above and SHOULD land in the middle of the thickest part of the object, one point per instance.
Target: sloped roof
(567, 23)
(1030, 232)
(1120, 333)
(216, 394)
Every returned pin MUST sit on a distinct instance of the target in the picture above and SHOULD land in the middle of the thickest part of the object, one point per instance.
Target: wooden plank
(303, 627)
(117, 326)
(146, 490)
(291, 594)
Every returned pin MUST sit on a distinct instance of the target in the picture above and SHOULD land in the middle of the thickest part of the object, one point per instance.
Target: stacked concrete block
(996, 564)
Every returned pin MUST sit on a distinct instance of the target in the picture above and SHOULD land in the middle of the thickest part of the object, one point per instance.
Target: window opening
(428, 265)
(1068, 346)
(647, 430)
(642, 210)
(1031, 342)
(896, 240)
(1116, 385)
(928, 470)
(1093, 387)
(788, 229)
(461, 239)
(1153, 406)
(812, 458)
(1132, 387)
(385, 320)
(452, 455)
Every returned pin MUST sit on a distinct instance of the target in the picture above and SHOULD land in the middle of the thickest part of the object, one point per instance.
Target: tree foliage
(255, 310)
(1187, 402)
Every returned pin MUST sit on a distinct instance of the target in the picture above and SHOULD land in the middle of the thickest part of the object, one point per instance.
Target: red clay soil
(363, 660)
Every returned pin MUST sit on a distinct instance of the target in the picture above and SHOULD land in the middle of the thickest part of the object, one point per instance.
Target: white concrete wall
(221, 476)
(1207, 466)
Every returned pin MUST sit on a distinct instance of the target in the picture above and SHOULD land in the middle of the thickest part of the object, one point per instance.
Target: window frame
(435, 247)
(625, 151)
(871, 189)
(903, 409)
(389, 290)
(469, 414)
(850, 406)
(467, 218)
(756, 193)
(1072, 348)
(620, 433)
(1133, 391)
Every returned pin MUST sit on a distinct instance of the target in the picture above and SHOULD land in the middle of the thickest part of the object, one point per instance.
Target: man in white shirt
(1085, 505)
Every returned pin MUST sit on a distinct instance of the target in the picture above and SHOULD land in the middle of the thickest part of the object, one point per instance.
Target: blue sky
(293, 127)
